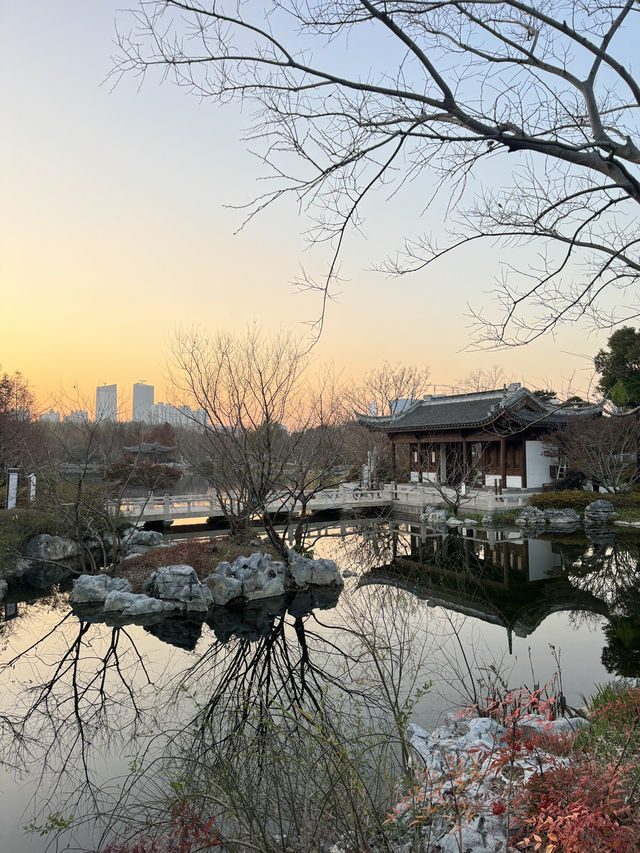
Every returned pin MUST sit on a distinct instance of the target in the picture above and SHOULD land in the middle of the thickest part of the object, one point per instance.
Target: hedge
(581, 499)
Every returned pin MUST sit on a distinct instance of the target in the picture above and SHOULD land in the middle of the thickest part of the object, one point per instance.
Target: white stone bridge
(168, 508)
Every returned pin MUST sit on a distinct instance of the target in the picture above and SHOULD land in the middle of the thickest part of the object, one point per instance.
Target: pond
(98, 722)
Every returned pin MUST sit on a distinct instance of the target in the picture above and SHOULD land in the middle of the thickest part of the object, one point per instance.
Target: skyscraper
(142, 402)
(107, 403)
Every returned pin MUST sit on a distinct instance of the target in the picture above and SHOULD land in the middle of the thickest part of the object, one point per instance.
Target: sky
(119, 226)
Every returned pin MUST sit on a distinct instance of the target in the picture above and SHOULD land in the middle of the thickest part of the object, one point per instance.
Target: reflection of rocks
(599, 536)
(257, 619)
(252, 622)
(4, 586)
(43, 575)
(303, 603)
(180, 585)
(182, 633)
(599, 512)
(93, 589)
(434, 517)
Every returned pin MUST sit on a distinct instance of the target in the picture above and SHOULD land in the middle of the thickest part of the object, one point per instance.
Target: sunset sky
(116, 232)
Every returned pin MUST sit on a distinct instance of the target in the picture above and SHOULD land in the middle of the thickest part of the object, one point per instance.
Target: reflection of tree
(612, 572)
(72, 695)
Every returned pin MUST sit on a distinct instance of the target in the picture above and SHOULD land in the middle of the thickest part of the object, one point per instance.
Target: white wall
(537, 464)
(513, 481)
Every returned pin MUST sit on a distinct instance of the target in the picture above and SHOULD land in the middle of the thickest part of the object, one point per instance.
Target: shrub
(581, 499)
(576, 808)
(17, 526)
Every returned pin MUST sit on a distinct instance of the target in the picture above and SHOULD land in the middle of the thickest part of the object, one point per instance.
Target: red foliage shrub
(187, 832)
(576, 808)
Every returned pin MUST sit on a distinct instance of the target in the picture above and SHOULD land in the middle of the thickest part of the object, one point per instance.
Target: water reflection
(83, 701)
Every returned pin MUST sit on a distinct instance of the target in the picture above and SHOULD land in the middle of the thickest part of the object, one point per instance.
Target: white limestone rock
(531, 516)
(454, 522)
(248, 578)
(93, 589)
(561, 517)
(131, 605)
(307, 572)
(45, 548)
(146, 538)
(179, 584)
(599, 512)
(224, 588)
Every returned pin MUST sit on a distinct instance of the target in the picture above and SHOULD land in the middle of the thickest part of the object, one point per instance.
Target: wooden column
(503, 463)
(465, 460)
(523, 463)
(419, 461)
(394, 468)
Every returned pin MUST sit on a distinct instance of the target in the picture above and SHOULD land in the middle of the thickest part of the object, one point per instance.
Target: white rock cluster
(467, 747)
(533, 517)
(176, 589)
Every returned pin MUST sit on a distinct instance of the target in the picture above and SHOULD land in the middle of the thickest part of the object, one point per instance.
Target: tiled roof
(477, 409)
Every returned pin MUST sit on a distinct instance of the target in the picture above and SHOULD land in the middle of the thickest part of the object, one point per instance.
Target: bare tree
(385, 390)
(604, 450)
(484, 379)
(444, 87)
(270, 442)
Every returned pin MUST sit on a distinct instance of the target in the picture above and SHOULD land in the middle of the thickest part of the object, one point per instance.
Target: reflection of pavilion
(491, 575)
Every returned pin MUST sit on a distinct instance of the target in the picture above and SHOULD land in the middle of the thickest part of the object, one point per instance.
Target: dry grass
(204, 556)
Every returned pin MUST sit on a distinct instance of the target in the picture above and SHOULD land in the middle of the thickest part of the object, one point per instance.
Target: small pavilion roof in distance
(478, 409)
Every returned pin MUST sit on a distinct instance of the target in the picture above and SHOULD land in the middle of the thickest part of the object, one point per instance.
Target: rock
(454, 522)
(145, 538)
(561, 726)
(224, 588)
(44, 548)
(349, 574)
(4, 586)
(531, 516)
(487, 521)
(599, 512)
(470, 522)
(561, 517)
(307, 572)
(93, 589)
(131, 605)
(179, 584)
(249, 579)
(436, 517)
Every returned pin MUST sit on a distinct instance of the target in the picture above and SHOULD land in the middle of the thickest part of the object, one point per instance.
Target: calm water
(80, 701)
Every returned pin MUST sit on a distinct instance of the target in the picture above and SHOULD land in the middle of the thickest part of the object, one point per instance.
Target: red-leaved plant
(187, 832)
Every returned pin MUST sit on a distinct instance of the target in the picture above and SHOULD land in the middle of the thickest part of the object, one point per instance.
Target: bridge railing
(166, 507)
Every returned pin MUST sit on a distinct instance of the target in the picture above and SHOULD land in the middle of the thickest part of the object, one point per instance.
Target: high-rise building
(107, 403)
(142, 402)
